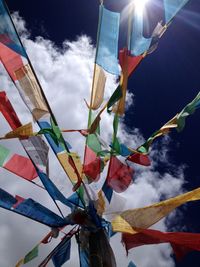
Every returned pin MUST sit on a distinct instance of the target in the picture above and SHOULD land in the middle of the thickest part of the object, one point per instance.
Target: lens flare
(139, 6)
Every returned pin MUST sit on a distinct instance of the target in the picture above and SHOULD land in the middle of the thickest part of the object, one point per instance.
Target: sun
(139, 6)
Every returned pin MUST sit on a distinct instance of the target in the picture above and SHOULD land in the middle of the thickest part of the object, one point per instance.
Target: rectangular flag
(17, 164)
(107, 50)
(138, 43)
(11, 60)
(31, 92)
(98, 88)
(8, 111)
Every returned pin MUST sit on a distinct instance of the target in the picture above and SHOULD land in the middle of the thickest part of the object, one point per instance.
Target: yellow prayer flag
(22, 131)
(20, 263)
(64, 160)
(31, 92)
(123, 83)
(101, 204)
(147, 216)
(98, 88)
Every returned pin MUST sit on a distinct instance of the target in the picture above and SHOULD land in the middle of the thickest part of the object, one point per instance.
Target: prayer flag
(139, 159)
(107, 50)
(8, 111)
(31, 92)
(138, 43)
(179, 240)
(147, 216)
(31, 209)
(11, 60)
(62, 254)
(8, 35)
(98, 88)
(128, 61)
(119, 176)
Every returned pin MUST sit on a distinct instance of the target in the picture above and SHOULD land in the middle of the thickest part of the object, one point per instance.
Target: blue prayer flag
(138, 43)
(108, 191)
(31, 209)
(107, 50)
(131, 264)
(62, 254)
(8, 35)
(172, 7)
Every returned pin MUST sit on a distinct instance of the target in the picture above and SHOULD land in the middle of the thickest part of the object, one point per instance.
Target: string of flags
(104, 170)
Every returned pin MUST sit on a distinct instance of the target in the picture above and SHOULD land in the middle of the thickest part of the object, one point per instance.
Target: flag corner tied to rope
(107, 47)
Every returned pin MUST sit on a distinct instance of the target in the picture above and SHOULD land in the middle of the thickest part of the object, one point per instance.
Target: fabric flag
(31, 92)
(98, 87)
(116, 96)
(108, 191)
(23, 131)
(172, 7)
(17, 164)
(31, 209)
(131, 264)
(62, 255)
(187, 241)
(128, 65)
(9, 58)
(138, 43)
(92, 163)
(8, 35)
(62, 248)
(29, 257)
(107, 50)
(120, 109)
(8, 111)
(119, 176)
(189, 109)
(37, 150)
(128, 61)
(147, 216)
(139, 159)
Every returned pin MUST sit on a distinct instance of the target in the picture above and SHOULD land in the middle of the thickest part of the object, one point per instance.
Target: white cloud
(66, 75)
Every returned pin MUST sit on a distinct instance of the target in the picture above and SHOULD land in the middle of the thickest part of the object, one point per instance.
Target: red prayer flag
(21, 166)
(92, 165)
(181, 242)
(8, 112)
(140, 159)
(119, 175)
(11, 60)
(131, 61)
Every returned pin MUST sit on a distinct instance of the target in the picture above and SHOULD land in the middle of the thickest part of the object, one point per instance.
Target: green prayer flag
(93, 143)
(114, 98)
(4, 152)
(188, 110)
(32, 254)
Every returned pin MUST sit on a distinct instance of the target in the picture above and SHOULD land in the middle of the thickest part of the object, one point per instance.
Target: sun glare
(139, 5)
